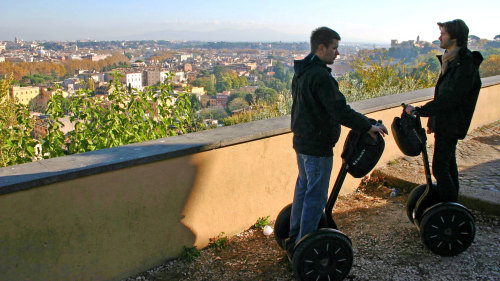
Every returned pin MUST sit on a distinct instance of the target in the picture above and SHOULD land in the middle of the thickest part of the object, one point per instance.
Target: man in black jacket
(318, 110)
(450, 112)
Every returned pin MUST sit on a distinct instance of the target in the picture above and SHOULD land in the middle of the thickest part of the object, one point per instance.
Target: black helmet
(408, 134)
(362, 152)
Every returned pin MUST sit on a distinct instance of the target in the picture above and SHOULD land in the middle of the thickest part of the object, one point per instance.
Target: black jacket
(319, 108)
(455, 96)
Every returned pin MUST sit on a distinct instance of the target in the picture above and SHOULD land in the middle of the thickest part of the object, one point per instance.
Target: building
(41, 128)
(198, 90)
(153, 76)
(132, 79)
(24, 95)
(95, 57)
(179, 77)
(221, 100)
(207, 101)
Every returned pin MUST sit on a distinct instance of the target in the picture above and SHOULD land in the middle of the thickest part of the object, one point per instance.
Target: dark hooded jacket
(319, 108)
(455, 96)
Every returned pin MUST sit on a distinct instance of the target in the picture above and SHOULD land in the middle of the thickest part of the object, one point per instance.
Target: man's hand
(409, 109)
(380, 128)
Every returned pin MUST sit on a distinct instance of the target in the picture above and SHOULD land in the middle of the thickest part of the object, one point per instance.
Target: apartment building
(153, 76)
(132, 79)
(24, 95)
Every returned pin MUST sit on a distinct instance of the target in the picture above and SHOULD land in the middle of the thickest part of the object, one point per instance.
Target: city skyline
(223, 20)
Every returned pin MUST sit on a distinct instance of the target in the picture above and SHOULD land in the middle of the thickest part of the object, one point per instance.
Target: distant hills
(224, 34)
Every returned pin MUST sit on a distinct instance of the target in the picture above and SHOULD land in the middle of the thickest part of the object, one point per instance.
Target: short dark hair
(457, 30)
(322, 35)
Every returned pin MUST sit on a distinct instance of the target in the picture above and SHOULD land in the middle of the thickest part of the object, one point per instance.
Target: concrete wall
(109, 214)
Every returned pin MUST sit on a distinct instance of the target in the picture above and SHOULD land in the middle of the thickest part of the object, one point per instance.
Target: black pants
(444, 167)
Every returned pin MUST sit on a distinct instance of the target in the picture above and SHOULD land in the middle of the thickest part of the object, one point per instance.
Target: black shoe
(290, 247)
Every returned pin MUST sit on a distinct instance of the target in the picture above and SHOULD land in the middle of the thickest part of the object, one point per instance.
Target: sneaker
(290, 247)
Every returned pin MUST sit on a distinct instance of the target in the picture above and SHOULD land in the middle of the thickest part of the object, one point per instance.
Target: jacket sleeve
(335, 104)
(452, 92)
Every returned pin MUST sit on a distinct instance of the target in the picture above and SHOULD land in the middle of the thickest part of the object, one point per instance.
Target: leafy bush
(374, 79)
(120, 119)
(261, 222)
(218, 242)
(190, 253)
(16, 144)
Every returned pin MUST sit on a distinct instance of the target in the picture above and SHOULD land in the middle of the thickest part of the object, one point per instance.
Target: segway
(446, 228)
(326, 254)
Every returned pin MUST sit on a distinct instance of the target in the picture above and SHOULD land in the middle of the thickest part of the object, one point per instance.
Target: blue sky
(233, 20)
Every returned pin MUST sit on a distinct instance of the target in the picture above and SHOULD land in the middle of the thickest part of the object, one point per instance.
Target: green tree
(195, 103)
(279, 71)
(378, 78)
(208, 83)
(91, 85)
(266, 95)
(237, 103)
(250, 98)
(16, 144)
(214, 113)
(490, 66)
(275, 84)
(126, 118)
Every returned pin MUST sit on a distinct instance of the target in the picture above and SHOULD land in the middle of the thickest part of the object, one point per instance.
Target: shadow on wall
(92, 227)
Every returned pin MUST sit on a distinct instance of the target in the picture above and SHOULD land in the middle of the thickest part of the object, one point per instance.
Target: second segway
(446, 228)
(326, 254)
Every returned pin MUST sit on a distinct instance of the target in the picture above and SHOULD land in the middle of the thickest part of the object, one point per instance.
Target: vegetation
(490, 66)
(190, 253)
(63, 69)
(122, 119)
(222, 79)
(16, 144)
(372, 79)
(261, 222)
(128, 116)
(218, 242)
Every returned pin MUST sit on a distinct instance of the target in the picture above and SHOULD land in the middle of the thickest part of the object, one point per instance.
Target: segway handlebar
(414, 113)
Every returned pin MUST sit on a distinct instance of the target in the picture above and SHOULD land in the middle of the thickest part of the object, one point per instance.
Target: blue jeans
(311, 194)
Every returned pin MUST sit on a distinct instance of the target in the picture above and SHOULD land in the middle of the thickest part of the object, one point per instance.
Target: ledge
(34, 174)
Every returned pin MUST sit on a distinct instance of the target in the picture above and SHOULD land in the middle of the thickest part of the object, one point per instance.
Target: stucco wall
(109, 214)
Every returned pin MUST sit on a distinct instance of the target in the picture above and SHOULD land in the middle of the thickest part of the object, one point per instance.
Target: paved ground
(478, 159)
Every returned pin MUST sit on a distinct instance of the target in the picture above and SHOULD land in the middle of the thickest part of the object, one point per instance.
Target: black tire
(412, 200)
(282, 225)
(325, 254)
(447, 229)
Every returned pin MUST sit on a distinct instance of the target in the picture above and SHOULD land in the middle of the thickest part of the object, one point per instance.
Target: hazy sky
(233, 20)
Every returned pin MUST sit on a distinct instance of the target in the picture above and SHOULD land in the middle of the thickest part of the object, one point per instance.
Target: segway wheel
(282, 225)
(325, 254)
(412, 200)
(447, 229)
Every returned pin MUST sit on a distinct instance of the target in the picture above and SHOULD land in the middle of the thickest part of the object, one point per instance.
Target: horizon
(227, 21)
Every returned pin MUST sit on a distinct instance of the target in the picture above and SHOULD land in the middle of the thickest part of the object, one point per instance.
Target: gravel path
(386, 245)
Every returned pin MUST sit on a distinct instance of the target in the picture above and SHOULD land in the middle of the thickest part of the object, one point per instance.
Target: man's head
(454, 33)
(325, 43)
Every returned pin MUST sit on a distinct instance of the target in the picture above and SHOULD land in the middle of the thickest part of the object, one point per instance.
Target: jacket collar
(456, 61)
(312, 58)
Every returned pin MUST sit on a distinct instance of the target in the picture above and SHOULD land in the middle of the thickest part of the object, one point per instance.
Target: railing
(111, 213)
